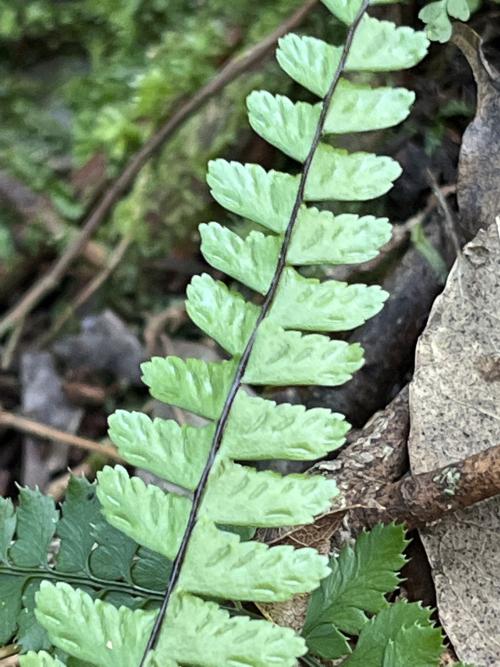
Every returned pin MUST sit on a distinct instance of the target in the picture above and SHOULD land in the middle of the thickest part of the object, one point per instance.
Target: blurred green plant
(84, 84)
(97, 76)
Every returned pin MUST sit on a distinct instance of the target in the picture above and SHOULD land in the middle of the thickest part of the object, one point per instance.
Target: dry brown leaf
(455, 412)
(479, 167)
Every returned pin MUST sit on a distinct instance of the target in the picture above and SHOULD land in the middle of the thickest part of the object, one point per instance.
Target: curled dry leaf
(455, 412)
(479, 167)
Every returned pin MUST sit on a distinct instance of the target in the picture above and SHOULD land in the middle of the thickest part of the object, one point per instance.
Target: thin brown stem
(25, 425)
(415, 500)
(9, 350)
(418, 500)
(88, 290)
(449, 219)
(9, 650)
(226, 75)
(243, 361)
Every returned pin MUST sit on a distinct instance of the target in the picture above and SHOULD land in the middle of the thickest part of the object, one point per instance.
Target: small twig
(45, 432)
(450, 224)
(11, 661)
(401, 232)
(418, 500)
(226, 75)
(449, 218)
(11, 345)
(88, 290)
(175, 314)
(415, 500)
(310, 661)
(369, 476)
(9, 650)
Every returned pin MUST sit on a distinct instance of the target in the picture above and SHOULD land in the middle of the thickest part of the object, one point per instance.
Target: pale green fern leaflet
(280, 340)
(436, 16)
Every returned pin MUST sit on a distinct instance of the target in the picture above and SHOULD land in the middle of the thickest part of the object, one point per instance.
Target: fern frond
(277, 340)
(265, 197)
(117, 637)
(252, 261)
(163, 517)
(76, 545)
(173, 452)
(292, 358)
(377, 46)
(266, 498)
(360, 579)
(401, 634)
(35, 527)
(397, 634)
(257, 430)
(346, 10)
(220, 565)
(238, 637)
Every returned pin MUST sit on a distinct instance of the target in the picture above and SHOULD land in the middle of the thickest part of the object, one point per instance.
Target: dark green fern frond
(74, 545)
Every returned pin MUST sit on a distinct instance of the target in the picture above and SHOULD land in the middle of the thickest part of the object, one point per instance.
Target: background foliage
(84, 84)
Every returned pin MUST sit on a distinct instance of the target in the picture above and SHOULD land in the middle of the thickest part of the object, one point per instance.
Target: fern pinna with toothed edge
(283, 341)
